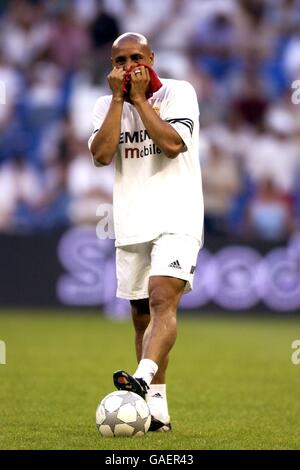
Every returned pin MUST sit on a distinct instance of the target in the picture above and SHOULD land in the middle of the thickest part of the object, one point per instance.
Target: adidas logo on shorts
(157, 395)
(175, 264)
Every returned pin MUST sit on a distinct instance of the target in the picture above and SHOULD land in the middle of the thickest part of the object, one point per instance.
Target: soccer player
(158, 206)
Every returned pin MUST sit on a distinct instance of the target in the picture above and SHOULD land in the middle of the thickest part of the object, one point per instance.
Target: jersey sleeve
(99, 114)
(182, 111)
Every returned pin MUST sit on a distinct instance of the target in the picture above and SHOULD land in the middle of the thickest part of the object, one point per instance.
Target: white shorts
(168, 255)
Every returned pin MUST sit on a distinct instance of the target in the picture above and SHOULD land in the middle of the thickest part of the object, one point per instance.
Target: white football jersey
(154, 194)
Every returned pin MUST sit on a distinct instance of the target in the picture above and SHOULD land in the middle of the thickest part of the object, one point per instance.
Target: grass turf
(231, 383)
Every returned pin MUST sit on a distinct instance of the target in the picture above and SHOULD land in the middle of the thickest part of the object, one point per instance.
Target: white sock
(156, 399)
(146, 370)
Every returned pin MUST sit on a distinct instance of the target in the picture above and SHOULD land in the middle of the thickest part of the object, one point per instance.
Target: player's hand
(140, 80)
(115, 81)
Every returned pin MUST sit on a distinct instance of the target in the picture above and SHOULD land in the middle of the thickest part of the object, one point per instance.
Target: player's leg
(164, 296)
(157, 394)
(140, 313)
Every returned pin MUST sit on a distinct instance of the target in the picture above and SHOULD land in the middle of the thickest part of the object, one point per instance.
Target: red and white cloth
(154, 85)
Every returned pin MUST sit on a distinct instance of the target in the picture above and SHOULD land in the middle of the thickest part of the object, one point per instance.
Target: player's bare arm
(162, 133)
(105, 143)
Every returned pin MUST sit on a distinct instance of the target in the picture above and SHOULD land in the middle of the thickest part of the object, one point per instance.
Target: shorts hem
(183, 277)
(122, 295)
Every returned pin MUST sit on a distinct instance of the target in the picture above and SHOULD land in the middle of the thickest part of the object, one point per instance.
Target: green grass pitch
(231, 382)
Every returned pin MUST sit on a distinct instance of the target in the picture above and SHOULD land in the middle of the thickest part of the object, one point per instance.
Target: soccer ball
(123, 413)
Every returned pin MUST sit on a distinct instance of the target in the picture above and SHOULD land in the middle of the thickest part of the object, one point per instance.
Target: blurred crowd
(242, 57)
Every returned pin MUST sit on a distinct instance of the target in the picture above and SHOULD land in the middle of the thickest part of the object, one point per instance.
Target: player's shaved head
(130, 49)
(131, 37)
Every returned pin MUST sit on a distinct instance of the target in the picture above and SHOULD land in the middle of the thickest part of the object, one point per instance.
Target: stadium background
(242, 57)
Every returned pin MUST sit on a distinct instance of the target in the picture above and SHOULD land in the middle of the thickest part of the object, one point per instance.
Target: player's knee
(162, 298)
